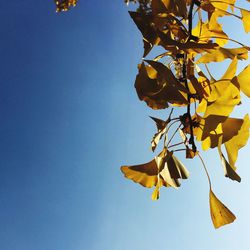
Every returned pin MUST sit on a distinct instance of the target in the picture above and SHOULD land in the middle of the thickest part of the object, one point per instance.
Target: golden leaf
(161, 127)
(220, 214)
(176, 7)
(148, 89)
(222, 53)
(228, 170)
(242, 81)
(163, 170)
(215, 29)
(144, 24)
(144, 174)
(222, 5)
(161, 90)
(156, 194)
(210, 129)
(246, 19)
(238, 141)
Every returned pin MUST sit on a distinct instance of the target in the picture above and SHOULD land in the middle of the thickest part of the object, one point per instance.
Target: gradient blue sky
(69, 118)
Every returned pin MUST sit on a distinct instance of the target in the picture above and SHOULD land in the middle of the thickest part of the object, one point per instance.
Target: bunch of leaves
(192, 37)
(65, 5)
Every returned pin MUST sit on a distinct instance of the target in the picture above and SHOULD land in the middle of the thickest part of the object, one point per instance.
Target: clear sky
(70, 117)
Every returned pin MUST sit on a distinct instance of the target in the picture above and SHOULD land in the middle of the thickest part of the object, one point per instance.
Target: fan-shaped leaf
(238, 141)
(223, 53)
(246, 19)
(242, 81)
(228, 170)
(220, 214)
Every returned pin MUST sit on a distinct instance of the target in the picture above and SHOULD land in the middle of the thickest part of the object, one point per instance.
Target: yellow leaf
(144, 174)
(238, 141)
(161, 127)
(156, 194)
(225, 103)
(222, 53)
(143, 23)
(176, 7)
(215, 29)
(210, 129)
(242, 80)
(163, 170)
(228, 170)
(246, 19)
(231, 70)
(220, 214)
(222, 5)
(148, 89)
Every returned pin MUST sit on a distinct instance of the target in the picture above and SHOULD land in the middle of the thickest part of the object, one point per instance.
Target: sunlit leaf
(161, 90)
(242, 81)
(156, 194)
(144, 24)
(161, 127)
(222, 5)
(228, 170)
(163, 170)
(220, 214)
(238, 141)
(223, 53)
(246, 19)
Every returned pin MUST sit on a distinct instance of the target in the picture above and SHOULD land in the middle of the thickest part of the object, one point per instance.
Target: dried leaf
(220, 214)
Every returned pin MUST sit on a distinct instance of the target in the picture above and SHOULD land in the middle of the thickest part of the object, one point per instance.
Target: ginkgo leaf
(228, 170)
(156, 194)
(163, 170)
(144, 24)
(161, 90)
(215, 28)
(149, 90)
(246, 19)
(176, 7)
(161, 127)
(221, 54)
(222, 5)
(210, 129)
(242, 81)
(220, 214)
(225, 103)
(190, 47)
(64, 5)
(238, 141)
(144, 174)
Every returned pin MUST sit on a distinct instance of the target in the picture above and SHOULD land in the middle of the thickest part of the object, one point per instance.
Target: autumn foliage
(191, 36)
(190, 33)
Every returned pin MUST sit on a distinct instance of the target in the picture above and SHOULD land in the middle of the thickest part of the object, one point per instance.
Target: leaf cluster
(192, 37)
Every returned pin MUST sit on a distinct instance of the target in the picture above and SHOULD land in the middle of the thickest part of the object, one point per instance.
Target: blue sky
(70, 118)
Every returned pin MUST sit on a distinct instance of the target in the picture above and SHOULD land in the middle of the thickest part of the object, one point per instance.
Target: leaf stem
(205, 168)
